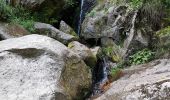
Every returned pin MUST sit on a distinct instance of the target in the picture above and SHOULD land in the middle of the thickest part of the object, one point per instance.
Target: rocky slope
(55, 65)
(144, 82)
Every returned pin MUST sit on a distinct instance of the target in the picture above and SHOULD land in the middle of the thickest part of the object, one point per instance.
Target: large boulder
(84, 52)
(49, 30)
(36, 67)
(143, 82)
(9, 30)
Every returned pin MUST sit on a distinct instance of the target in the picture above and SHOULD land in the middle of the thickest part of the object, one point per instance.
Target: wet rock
(8, 30)
(100, 77)
(49, 30)
(84, 53)
(37, 67)
(143, 82)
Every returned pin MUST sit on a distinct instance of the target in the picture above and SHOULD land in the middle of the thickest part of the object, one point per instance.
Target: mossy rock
(115, 74)
(164, 32)
(116, 58)
(163, 45)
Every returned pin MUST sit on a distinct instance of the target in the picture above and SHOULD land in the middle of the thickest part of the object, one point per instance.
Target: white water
(81, 15)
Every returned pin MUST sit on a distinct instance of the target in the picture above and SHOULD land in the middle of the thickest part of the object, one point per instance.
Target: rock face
(144, 82)
(84, 52)
(118, 23)
(11, 31)
(49, 30)
(36, 67)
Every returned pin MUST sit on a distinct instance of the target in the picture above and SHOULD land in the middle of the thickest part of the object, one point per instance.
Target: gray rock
(143, 82)
(66, 29)
(49, 30)
(36, 67)
(105, 41)
(84, 53)
(8, 30)
(108, 21)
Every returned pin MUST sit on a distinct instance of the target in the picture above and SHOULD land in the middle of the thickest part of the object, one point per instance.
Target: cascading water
(81, 17)
(100, 77)
(86, 6)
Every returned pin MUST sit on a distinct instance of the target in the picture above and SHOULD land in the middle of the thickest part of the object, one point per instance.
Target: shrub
(164, 32)
(70, 3)
(141, 57)
(17, 15)
(5, 10)
(113, 53)
(114, 71)
(22, 16)
(135, 4)
(115, 74)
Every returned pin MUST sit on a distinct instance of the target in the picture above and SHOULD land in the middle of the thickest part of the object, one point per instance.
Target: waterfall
(100, 76)
(81, 17)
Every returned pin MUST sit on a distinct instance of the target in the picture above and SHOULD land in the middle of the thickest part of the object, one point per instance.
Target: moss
(164, 32)
(91, 61)
(163, 45)
(70, 45)
(116, 58)
(79, 77)
(73, 33)
(115, 74)
(112, 52)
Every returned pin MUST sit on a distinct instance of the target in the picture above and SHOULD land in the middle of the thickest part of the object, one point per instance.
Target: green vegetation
(150, 3)
(141, 57)
(107, 50)
(23, 17)
(115, 74)
(92, 13)
(164, 32)
(114, 71)
(16, 15)
(162, 48)
(135, 4)
(70, 3)
(112, 52)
